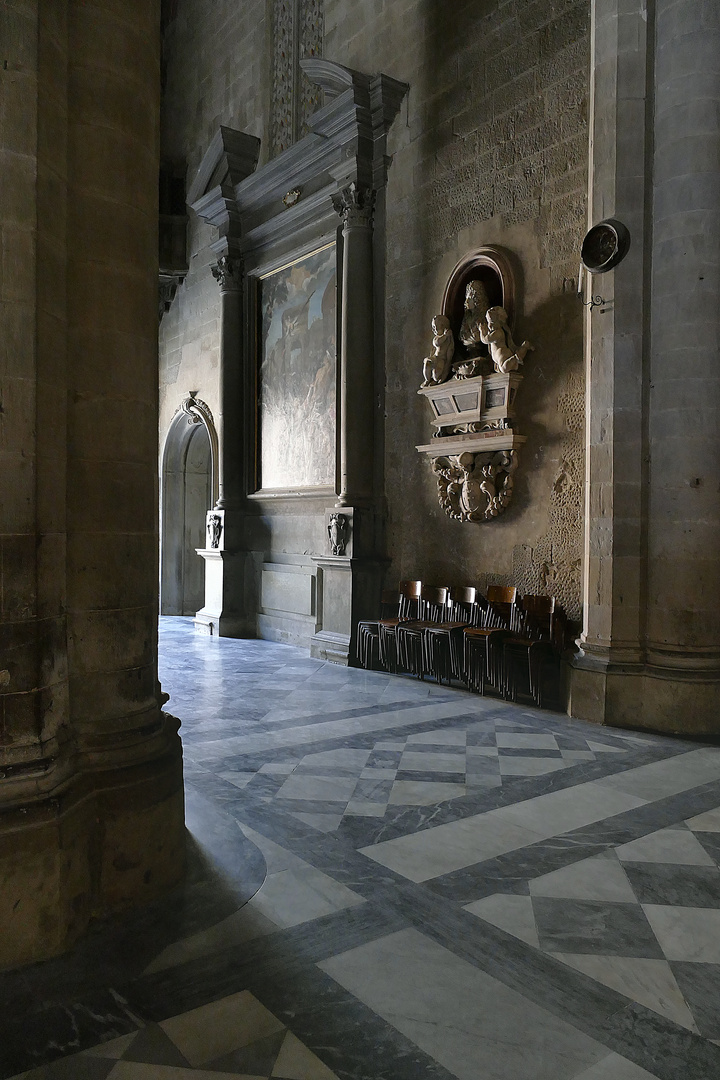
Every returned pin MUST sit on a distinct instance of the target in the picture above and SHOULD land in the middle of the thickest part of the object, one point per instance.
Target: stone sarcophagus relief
(471, 378)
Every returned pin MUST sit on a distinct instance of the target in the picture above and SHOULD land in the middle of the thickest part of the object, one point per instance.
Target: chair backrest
(501, 594)
(478, 611)
(409, 607)
(411, 588)
(389, 603)
(501, 610)
(433, 600)
(537, 617)
(460, 602)
(538, 605)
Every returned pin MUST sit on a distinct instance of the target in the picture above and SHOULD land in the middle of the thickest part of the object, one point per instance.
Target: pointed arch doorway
(189, 481)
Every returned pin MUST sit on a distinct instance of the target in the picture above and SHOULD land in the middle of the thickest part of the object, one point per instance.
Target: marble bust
(476, 304)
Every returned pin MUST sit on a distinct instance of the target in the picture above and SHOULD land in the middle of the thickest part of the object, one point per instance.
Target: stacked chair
(368, 632)
(509, 643)
(483, 644)
(408, 608)
(375, 645)
(411, 636)
(528, 655)
(444, 641)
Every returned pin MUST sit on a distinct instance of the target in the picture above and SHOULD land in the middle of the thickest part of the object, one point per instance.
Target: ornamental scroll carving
(198, 412)
(470, 381)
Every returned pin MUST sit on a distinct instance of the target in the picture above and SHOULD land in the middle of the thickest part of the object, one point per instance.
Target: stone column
(650, 647)
(349, 584)
(222, 612)
(357, 385)
(615, 344)
(90, 766)
(228, 274)
(683, 594)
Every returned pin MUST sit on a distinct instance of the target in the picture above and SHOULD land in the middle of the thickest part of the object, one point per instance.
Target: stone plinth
(347, 592)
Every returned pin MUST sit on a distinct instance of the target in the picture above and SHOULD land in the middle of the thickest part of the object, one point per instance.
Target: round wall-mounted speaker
(604, 246)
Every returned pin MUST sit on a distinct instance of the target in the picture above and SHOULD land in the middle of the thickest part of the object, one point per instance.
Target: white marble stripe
(670, 776)
(445, 848)
(336, 729)
(462, 1017)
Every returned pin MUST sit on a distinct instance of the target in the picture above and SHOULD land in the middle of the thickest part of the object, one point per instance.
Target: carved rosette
(228, 273)
(355, 206)
(476, 487)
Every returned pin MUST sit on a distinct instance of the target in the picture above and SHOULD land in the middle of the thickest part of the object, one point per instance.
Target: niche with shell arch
(474, 446)
(493, 267)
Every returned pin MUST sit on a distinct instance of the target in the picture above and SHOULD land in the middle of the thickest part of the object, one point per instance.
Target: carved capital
(228, 273)
(355, 205)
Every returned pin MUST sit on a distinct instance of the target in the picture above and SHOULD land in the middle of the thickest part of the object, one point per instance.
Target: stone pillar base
(348, 590)
(636, 696)
(105, 842)
(222, 614)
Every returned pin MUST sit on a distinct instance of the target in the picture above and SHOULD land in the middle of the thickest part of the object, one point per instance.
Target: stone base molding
(104, 841)
(681, 700)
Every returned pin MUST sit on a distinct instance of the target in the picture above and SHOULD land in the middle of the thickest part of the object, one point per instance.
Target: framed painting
(297, 374)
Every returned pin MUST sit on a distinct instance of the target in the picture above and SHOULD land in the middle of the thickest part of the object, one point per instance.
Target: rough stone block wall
(491, 148)
(216, 71)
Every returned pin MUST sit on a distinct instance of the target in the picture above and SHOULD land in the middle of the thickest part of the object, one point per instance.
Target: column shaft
(228, 274)
(357, 412)
(90, 767)
(684, 508)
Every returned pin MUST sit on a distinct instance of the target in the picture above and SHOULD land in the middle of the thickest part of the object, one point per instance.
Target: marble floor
(393, 880)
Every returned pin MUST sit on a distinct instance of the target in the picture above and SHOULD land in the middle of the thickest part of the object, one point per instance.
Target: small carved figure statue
(214, 528)
(338, 533)
(438, 366)
(476, 304)
(495, 332)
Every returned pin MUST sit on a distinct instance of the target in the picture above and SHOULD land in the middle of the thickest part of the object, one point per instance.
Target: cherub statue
(495, 332)
(338, 533)
(476, 304)
(214, 524)
(438, 366)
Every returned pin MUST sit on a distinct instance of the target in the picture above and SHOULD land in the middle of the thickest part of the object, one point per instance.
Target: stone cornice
(346, 146)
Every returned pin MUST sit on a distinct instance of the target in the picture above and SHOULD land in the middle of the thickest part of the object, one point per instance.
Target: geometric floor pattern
(394, 880)
(235, 1037)
(642, 919)
(423, 769)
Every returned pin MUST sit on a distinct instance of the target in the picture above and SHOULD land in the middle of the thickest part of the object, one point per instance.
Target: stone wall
(216, 71)
(491, 148)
